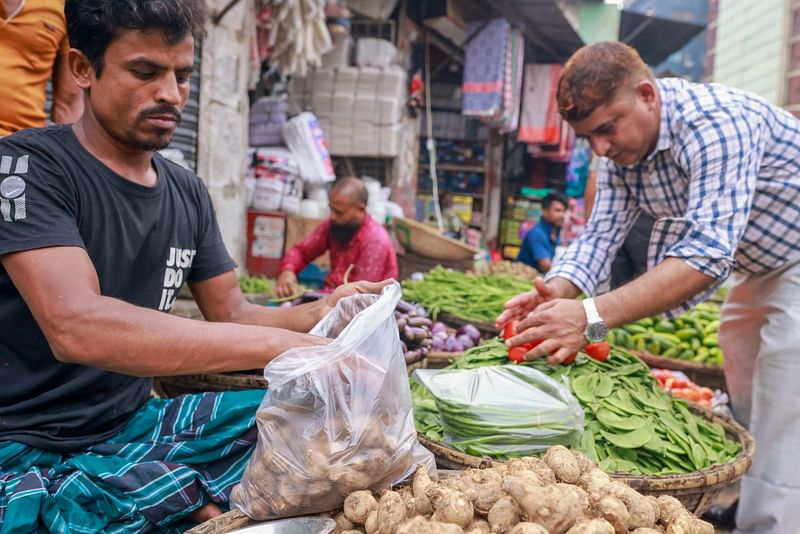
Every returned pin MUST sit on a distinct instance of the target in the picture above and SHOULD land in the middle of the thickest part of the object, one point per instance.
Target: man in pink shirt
(355, 241)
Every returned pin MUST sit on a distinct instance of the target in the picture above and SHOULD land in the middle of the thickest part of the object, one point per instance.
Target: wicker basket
(487, 330)
(440, 360)
(696, 491)
(426, 241)
(223, 524)
(711, 376)
(188, 308)
(173, 386)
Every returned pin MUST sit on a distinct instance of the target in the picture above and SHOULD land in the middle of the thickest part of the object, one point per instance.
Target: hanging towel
(484, 64)
(512, 87)
(540, 121)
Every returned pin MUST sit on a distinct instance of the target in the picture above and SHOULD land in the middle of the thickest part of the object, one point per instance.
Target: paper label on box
(267, 247)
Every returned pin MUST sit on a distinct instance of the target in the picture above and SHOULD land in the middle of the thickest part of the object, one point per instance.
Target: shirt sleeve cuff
(574, 273)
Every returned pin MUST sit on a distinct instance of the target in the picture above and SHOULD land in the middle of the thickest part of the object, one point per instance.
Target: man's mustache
(162, 110)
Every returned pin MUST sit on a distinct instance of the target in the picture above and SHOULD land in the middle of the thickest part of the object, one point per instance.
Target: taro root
(592, 526)
(358, 505)
(481, 526)
(504, 514)
(421, 484)
(564, 465)
(525, 499)
(371, 524)
(391, 511)
(420, 525)
(528, 528)
(454, 508)
(614, 511)
(555, 507)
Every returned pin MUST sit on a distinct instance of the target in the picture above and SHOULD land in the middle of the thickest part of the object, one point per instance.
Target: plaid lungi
(173, 457)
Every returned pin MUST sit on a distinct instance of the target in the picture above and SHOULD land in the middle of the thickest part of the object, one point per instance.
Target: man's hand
(560, 323)
(356, 288)
(520, 306)
(286, 284)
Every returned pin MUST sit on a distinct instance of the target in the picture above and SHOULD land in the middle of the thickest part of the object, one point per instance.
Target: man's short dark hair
(555, 196)
(93, 24)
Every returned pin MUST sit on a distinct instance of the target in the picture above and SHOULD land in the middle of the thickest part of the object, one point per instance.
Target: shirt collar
(363, 229)
(664, 135)
(548, 227)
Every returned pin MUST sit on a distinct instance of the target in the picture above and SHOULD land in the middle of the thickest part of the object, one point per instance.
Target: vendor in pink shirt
(353, 239)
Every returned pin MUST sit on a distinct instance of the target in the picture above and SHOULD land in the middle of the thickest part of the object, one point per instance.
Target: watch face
(596, 332)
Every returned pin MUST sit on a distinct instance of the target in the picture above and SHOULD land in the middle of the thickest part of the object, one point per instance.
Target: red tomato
(509, 329)
(569, 359)
(517, 354)
(598, 351)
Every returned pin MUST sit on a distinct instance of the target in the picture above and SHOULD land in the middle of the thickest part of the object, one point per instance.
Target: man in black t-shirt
(97, 235)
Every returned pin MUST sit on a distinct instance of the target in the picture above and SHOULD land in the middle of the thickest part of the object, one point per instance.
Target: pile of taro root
(563, 492)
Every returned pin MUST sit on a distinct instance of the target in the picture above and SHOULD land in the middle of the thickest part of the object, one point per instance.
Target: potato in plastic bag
(336, 418)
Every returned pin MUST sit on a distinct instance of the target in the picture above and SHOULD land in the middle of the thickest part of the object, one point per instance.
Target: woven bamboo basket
(696, 491)
(711, 376)
(235, 520)
(440, 360)
(227, 522)
(487, 330)
(173, 386)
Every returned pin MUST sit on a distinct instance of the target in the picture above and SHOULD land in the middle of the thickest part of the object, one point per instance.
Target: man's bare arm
(60, 287)
(667, 286)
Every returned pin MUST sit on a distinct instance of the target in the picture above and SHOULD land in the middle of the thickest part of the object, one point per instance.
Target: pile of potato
(562, 493)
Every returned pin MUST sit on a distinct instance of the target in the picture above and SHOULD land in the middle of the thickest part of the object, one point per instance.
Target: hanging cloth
(484, 69)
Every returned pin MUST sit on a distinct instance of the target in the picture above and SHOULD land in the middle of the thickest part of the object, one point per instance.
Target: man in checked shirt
(719, 170)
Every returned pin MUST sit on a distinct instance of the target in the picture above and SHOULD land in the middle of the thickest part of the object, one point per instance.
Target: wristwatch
(596, 329)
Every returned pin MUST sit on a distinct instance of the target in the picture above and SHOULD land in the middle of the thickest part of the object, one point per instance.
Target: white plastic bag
(306, 140)
(337, 418)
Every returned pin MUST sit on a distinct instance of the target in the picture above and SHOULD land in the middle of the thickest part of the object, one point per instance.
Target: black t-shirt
(144, 243)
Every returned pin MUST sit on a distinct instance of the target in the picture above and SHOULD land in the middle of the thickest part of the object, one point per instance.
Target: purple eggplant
(404, 307)
(419, 321)
(413, 356)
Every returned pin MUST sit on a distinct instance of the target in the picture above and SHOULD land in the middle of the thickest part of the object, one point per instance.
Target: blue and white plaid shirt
(723, 184)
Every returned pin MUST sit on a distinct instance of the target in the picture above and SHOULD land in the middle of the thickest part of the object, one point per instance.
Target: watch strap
(592, 315)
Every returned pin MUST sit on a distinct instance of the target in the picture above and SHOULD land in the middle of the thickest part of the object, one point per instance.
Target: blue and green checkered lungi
(173, 457)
